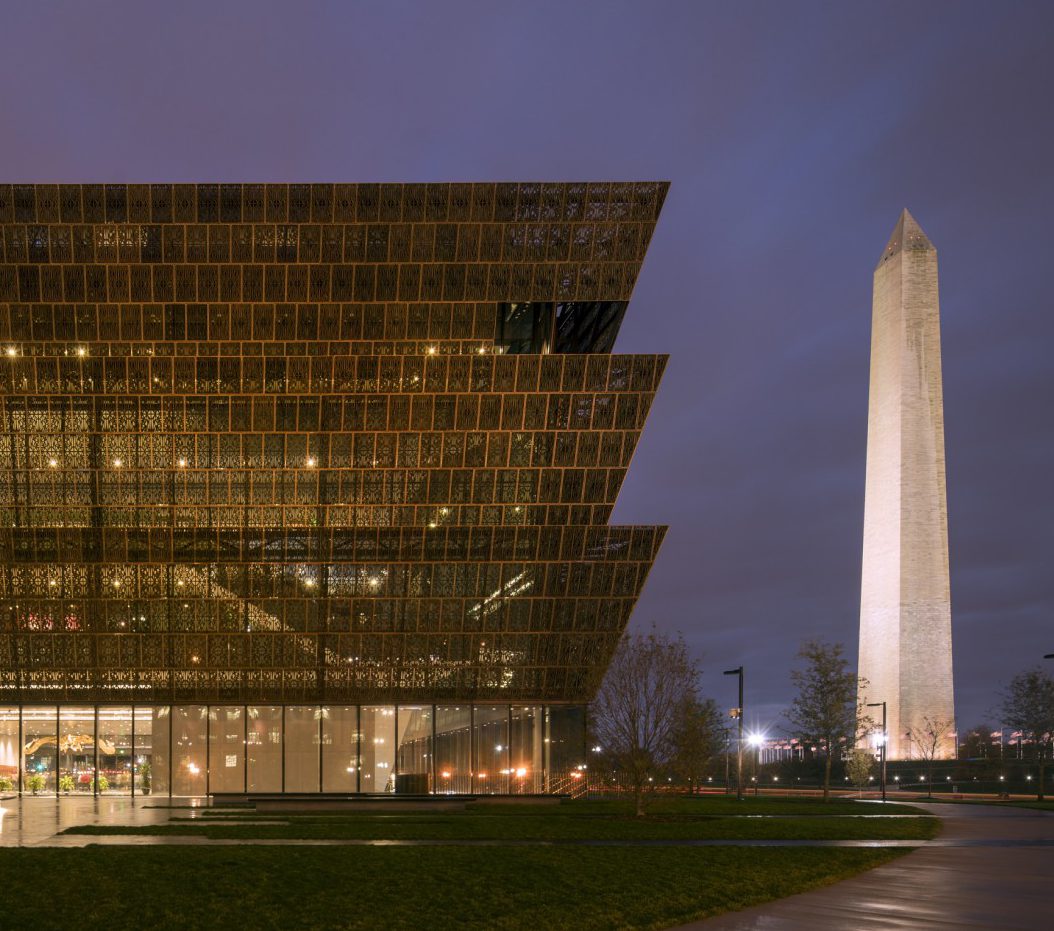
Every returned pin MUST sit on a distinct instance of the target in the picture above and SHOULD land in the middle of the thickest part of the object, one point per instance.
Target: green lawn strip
(709, 805)
(481, 827)
(502, 888)
(1002, 803)
(1037, 805)
(701, 806)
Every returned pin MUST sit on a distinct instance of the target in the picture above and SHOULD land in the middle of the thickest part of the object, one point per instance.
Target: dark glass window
(537, 327)
(526, 327)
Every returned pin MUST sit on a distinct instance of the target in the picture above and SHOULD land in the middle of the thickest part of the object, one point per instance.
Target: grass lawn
(314, 887)
(1046, 805)
(668, 820)
(727, 805)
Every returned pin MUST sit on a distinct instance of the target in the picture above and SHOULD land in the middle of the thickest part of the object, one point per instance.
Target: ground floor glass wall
(196, 750)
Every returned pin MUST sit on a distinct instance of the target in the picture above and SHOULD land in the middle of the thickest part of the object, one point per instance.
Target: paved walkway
(30, 821)
(993, 869)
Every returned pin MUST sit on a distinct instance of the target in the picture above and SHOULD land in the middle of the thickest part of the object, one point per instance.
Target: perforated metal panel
(259, 442)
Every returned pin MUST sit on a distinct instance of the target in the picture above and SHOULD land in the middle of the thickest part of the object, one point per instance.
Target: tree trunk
(638, 794)
(1042, 771)
(827, 776)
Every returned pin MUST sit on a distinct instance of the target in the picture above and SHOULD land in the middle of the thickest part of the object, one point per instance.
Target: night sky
(793, 135)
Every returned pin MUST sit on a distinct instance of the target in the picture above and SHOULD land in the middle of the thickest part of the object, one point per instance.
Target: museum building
(306, 488)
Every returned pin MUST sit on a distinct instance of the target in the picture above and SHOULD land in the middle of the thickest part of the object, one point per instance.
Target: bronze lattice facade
(317, 443)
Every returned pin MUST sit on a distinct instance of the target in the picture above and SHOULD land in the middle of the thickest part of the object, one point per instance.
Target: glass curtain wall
(414, 759)
(161, 750)
(114, 750)
(39, 749)
(301, 748)
(189, 749)
(453, 749)
(76, 750)
(491, 738)
(566, 764)
(9, 749)
(527, 741)
(193, 750)
(377, 725)
(226, 748)
(340, 748)
(263, 748)
(143, 752)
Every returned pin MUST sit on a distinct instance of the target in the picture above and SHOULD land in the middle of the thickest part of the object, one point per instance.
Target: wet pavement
(992, 868)
(35, 821)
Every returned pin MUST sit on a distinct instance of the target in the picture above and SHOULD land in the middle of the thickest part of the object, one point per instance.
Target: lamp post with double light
(738, 671)
(882, 743)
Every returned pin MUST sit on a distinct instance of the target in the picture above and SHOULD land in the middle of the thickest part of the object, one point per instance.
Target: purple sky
(793, 135)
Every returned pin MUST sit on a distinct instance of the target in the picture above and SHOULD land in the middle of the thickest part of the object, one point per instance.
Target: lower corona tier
(198, 750)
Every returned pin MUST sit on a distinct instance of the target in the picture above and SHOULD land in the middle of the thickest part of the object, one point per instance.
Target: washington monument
(905, 598)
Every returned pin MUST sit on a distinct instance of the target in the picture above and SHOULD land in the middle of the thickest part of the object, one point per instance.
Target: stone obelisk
(905, 598)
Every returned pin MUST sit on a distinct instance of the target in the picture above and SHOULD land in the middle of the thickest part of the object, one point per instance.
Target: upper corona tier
(318, 442)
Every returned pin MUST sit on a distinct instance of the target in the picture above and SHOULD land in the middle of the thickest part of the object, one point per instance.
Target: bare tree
(927, 744)
(826, 711)
(650, 682)
(699, 736)
(1028, 707)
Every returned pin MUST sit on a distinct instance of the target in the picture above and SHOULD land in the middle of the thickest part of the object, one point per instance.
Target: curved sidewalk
(1001, 878)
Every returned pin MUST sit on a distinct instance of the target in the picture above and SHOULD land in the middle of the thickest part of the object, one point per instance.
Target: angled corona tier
(329, 447)
(905, 605)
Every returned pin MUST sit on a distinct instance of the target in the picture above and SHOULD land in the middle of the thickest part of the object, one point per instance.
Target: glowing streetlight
(880, 742)
(756, 740)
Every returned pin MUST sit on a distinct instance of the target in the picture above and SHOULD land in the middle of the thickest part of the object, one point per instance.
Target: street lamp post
(883, 745)
(738, 671)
